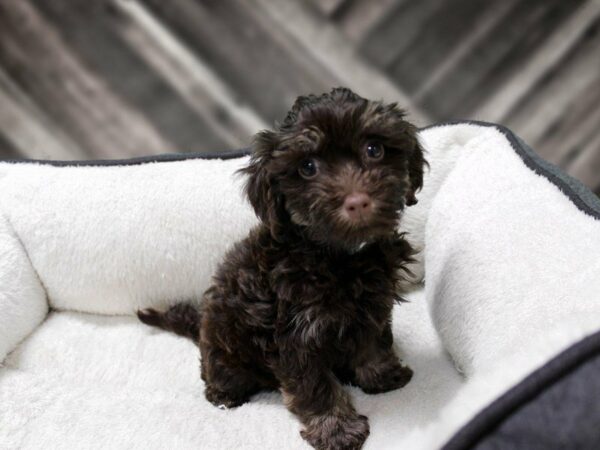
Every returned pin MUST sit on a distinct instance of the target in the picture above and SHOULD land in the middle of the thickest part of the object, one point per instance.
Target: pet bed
(503, 337)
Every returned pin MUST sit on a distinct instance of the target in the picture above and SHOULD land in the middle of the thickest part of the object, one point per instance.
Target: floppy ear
(416, 166)
(387, 119)
(261, 188)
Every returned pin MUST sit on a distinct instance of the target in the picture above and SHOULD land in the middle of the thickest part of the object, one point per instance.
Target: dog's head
(339, 169)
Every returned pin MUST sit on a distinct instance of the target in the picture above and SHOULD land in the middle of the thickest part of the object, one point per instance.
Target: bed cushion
(91, 381)
(553, 408)
(94, 241)
(112, 238)
(513, 284)
(510, 256)
(23, 304)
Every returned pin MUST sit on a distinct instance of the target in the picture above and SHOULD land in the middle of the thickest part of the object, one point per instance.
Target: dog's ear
(416, 166)
(387, 119)
(260, 187)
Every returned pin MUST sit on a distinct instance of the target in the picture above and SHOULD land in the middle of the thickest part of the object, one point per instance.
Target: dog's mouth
(372, 229)
(353, 234)
(338, 225)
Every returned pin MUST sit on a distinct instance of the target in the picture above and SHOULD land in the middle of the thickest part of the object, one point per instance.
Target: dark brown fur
(304, 303)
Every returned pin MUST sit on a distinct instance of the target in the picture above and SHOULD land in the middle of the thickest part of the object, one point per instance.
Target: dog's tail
(181, 318)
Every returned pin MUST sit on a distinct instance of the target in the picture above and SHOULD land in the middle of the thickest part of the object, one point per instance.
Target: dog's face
(340, 169)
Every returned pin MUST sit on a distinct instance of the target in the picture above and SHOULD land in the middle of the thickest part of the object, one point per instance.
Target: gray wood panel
(7, 149)
(358, 18)
(259, 61)
(41, 63)
(439, 33)
(118, 78)
(561, 118)
(396, 29)
(93, 31)
(494, 59)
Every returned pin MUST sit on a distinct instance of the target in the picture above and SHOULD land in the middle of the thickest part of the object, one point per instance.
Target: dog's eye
(308, 168)
(374, 150)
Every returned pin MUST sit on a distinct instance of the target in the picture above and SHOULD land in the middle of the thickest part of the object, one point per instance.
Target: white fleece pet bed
(512, 269)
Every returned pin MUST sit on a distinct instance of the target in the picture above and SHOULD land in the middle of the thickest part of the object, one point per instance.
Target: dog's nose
(358, 205)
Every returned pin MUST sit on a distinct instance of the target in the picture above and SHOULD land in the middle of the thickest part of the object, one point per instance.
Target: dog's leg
(381, 372)
(227, 383)
(378, 369)
(315, 395)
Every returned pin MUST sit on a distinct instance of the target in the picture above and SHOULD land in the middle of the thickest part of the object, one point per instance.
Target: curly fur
(304, 303)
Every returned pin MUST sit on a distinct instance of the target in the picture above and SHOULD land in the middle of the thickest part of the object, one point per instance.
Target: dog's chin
(365, 235)
(358, 236)
(345, 235)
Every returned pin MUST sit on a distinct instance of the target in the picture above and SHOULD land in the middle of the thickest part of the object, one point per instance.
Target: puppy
(304, 303)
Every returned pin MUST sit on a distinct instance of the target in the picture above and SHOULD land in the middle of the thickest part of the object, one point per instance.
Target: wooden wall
(118, 78)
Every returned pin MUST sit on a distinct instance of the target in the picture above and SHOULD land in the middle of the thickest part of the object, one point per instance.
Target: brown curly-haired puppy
(304, 303)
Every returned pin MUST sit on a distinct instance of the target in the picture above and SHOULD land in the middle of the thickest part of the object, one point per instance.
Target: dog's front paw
(223, 400)
(331, 432)
(375, 380)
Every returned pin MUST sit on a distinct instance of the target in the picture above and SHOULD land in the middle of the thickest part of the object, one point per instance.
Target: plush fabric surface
(23, 303)
(113, 239)
(506, 252)
(91, 381)
(510, 265)
(565, 416)
(551, 409)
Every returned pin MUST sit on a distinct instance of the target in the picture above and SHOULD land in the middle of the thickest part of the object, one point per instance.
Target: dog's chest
(336, 298)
